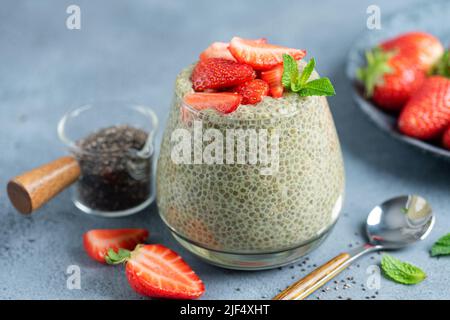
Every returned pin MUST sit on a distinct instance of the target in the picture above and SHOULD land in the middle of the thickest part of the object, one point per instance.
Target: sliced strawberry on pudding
(219, 73)
(158, 272)
(252, 91)
(261, 56)
(220, 50)
(273, 78)
(223, 102)
(217, 50)
(98, 242)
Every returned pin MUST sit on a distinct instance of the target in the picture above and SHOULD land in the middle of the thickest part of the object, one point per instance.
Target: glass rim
(146, 151)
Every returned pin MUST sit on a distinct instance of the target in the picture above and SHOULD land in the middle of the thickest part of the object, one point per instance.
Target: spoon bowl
(399, 222)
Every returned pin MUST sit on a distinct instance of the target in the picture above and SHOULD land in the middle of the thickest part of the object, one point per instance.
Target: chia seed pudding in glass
(233, 216)
(113, 144)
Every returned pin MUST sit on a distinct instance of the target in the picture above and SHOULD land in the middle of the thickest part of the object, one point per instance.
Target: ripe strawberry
(273, 78)
(217, 73)
(446, 139)
(252, 91)
(220, 50)
(97, 242)
(261, 56)
(423, 48)
(158, 272)
(223, 102)
(390, 79)
(427, 113)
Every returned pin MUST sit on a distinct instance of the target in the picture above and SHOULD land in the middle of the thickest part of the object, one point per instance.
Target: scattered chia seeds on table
(114, 177)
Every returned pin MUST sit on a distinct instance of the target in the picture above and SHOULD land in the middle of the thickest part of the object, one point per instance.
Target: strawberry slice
(158, 272)
(217, 50)
(446, 139)
(273, 78)
(261, 56)
(221, 73)
(98, 242)
(220, 50)
(223, 102)
(252, 91)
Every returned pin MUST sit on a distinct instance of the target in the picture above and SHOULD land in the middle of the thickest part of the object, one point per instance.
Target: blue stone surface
(133, 51)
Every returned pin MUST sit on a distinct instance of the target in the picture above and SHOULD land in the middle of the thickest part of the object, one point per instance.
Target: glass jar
(247, 205)
(113, 143)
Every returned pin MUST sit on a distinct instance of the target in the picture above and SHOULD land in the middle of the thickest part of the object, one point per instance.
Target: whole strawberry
(397, 68)
(427, 113)
(219, 73)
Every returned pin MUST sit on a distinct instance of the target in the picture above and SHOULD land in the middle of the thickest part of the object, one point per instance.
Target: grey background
(133, 50)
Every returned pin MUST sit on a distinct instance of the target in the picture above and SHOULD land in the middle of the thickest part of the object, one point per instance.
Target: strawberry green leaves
(401, 272)
(442, 246)
(118, 257)
(296, 82)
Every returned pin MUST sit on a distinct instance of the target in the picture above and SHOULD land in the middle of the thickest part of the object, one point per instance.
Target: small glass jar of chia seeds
(113, 142)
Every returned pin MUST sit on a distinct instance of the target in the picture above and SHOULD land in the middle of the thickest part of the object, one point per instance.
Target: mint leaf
(401, 272)
(442, 246)
(318, 87)
(290, 72)
(309, 68)
(294, 82)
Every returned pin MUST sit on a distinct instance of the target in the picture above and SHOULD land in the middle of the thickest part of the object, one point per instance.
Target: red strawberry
(261, 56)
(423, 48)
(217, 50)
(252, 91)
(220, 50)
(97, 242)
(217, 73)
(273, 78)
(224, 102)
(158, 272)
(390, 79)
(446, 139)
(427, 113)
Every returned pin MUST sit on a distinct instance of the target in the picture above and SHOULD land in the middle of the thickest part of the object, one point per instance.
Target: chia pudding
(233, 208)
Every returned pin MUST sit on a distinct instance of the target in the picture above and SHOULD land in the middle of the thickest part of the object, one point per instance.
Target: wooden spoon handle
(313, 281)
(32, 189)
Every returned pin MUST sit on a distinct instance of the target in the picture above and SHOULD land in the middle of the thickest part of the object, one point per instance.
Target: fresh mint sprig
(296, 82)
(401, 272)
(441, 247)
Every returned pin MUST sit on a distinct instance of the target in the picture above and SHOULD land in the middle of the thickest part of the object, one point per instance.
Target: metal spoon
(394, 224)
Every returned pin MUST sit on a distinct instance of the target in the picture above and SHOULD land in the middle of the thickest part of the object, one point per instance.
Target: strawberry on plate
(97, 242)
(223, 102)
(252, 91)
(273, 78)
(446, 139)
(423, 48)
(158, 272)
(220, 50)
(427, 113)
(219, 73)
(261, 56)
(390, 78)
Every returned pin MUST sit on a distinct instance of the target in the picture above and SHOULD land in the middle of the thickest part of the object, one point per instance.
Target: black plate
(428, 17)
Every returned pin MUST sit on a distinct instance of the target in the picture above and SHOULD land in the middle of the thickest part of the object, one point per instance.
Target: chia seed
(114, 177)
